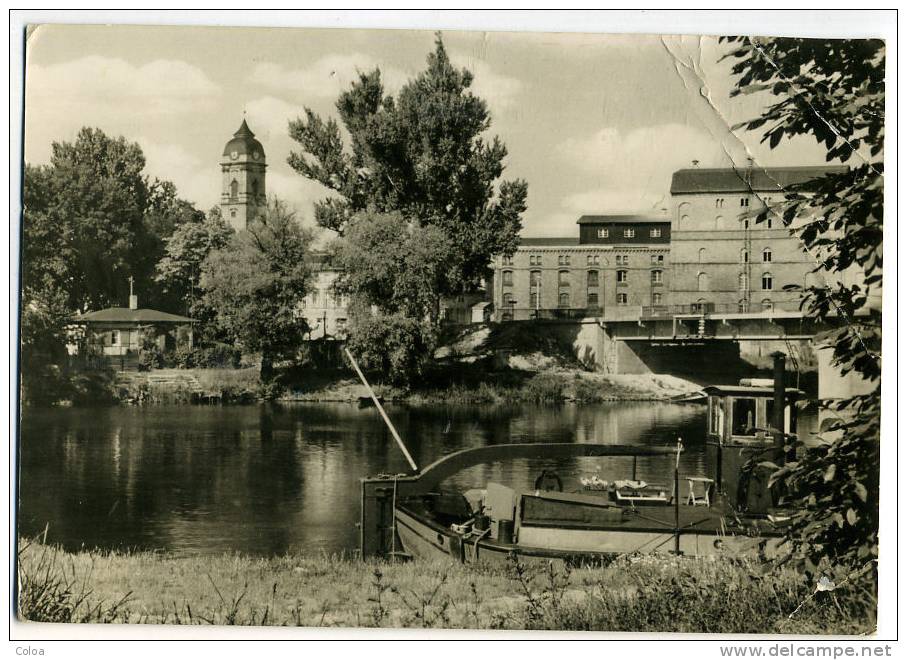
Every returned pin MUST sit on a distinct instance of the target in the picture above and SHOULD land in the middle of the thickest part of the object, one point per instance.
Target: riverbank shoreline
(643, 593)
(453, 386)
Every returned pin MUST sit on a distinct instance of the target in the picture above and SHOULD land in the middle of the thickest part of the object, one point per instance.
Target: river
(271, 479)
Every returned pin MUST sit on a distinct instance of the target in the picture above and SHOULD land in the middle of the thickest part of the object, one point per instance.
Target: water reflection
(271, 479)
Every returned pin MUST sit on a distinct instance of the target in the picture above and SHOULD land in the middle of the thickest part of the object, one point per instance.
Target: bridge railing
(707, 308)
(563, 314)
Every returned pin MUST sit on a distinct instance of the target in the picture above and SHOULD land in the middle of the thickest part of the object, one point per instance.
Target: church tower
(243, 165)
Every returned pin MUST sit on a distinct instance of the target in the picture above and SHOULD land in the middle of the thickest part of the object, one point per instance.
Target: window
(629, 233)
(684, 219)
(719, 222)
(534, 300)
(742, 282)
(507, 261)
(657, 276)
(701, 255)
(563, 278)
(623, 260)
(232, 213)
(719, 203)
(535, 278)
(535, 260)
(114, 337)
(621, 277)
(702, 282)
(767, 305)
(745, 201)
(621, 298)
(592, 278)
(592, 260)
(563, 300)
(766, 281)
(234, 189)
(767, 255)
(743, 416)
(656, 298)
(655, 233)
(315, 298)
(507, 278)
(743, 306)
(509, 299)
(744, 223)
(657, 259)
(602, 233)
(768, 222)
(563, 260)
(592, 299)
(744, 256)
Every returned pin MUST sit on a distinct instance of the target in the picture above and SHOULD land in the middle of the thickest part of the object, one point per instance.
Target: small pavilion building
(116, 335)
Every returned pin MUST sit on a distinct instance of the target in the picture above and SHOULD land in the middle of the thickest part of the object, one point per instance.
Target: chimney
(133, 299)
(695, 163)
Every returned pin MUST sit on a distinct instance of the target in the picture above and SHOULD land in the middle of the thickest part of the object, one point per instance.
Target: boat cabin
(742, 415)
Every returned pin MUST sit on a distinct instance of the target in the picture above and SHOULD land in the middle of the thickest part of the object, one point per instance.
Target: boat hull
(424, 539)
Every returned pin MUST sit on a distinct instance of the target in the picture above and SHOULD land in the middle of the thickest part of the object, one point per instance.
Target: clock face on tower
(234, 155)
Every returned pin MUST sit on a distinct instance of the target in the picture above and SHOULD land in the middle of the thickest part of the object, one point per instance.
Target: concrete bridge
(706, 343)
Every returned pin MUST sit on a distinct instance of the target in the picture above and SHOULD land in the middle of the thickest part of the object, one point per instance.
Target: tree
(92, 219)
(392, 269)
(421, 154)
(179, 271)
(833, 90)
(255, 283)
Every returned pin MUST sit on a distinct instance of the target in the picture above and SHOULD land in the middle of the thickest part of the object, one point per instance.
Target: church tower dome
(243, 196)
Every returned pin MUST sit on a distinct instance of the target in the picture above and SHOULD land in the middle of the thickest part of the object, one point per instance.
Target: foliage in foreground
(642, 593)
(833, 90)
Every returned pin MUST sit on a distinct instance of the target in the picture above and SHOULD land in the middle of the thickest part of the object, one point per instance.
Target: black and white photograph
(469, 330)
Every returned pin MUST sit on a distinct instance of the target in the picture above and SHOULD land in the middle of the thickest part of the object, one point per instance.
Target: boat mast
(380, 408)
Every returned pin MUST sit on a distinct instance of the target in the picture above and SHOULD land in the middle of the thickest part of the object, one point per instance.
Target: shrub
(544, 388)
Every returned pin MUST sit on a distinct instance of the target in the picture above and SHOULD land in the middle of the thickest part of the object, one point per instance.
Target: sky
(595, 123)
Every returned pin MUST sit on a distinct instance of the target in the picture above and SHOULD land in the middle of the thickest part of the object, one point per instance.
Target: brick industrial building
(617, 261)
(709, 256)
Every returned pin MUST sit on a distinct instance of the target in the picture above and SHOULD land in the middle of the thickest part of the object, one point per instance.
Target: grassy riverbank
(473, 385)
(632, 594)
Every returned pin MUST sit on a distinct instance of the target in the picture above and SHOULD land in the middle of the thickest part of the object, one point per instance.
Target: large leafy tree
(834, 91)
(92, 219)
(422, 154)
(255, 283)
(392, 269)
(179, 270)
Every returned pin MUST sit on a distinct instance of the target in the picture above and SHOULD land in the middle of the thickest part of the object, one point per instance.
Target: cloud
(112, 94)
(326, 77)
(650, 153)
(196, 181)
(500, 91)
(632, 170)
(269, 117)
(161, 86)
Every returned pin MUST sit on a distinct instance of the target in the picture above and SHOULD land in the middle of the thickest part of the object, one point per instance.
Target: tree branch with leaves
(834, 91)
